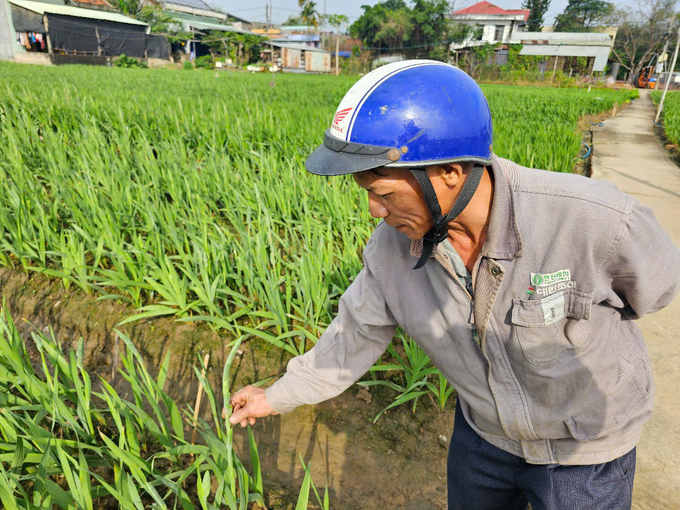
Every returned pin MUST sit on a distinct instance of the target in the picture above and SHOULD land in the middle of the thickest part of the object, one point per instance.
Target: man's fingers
(237, 416)
(236, 407)
(248, 404)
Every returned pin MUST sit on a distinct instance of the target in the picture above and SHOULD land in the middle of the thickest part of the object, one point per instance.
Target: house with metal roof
(195, 8)
(307, 40)
(596, 47)
(496, 24)
(49, 32)
(199, 18)
(197, 23)
(298, 58)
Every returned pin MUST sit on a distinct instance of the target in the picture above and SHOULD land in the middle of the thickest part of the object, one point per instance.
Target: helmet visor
(338, 157)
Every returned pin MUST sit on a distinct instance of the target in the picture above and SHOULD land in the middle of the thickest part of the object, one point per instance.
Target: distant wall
(27, 57)
(158, 62)
(91, 60)
(599, 53)
(7, 41)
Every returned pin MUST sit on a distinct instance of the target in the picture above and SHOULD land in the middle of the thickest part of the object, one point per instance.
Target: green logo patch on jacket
(551, 278)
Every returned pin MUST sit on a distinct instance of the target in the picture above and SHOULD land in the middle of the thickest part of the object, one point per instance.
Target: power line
(249, 9)
(285, 9)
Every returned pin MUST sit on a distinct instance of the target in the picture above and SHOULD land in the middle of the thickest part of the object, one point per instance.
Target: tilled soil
(397, 463)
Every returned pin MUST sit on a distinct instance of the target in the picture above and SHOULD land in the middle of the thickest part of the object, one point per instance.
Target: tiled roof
(489, 8)
(93, 4)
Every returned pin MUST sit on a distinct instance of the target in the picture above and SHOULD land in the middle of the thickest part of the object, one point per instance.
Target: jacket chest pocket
(545, 328)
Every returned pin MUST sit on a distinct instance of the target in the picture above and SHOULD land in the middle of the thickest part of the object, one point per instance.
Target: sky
(254, 10)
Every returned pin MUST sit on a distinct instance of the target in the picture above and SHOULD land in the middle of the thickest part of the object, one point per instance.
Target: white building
(498, 25)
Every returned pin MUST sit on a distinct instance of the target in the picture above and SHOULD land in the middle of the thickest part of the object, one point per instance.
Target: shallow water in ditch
(397, 463)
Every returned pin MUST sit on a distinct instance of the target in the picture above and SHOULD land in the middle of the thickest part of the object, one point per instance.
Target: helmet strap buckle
(440, 231)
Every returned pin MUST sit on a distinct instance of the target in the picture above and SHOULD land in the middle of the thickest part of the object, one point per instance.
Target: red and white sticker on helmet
(339, 117)
(343, 121)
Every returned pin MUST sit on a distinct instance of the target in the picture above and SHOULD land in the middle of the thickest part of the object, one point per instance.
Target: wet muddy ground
(397, 463)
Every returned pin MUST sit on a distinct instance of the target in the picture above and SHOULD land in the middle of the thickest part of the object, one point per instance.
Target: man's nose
(376, 209)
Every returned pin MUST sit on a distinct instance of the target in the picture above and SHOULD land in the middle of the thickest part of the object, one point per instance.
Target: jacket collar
(503, 240)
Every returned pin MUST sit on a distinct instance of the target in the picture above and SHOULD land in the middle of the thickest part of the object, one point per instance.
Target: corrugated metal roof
(293, 38)
(193, 17)
(203, 23)
(195, 4)
(297, 47)
(78, 12)
(222, 28)
(561, 38)
(294, 28)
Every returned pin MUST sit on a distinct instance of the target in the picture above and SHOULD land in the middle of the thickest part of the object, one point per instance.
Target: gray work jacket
(561, 374)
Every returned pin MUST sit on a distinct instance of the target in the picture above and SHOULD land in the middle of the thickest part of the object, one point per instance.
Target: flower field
(184, 194)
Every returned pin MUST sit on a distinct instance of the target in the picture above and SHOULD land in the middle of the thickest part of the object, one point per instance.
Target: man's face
(395, 196)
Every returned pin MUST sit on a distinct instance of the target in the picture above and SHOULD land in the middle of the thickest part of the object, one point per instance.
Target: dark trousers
(483, 477)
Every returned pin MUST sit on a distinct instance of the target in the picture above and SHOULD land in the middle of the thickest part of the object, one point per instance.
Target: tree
(309, 16)
(129, 7)
(237, 46)
(582, 15)
(393, 24)
(369, 24)
(336, 20)
(395, 30)
(163, 22)
(292, 21)
(537, 10)
(430, 21)
(643, 33)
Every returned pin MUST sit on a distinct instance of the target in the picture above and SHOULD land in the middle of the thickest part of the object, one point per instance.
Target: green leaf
(19, 456)
(255, 460)
(303, 498)
(62, 498)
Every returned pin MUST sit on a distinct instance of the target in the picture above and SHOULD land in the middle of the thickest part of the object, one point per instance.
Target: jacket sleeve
(359, 334)
(644, 269)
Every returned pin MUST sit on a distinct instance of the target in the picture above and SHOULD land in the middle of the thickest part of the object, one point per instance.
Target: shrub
(125, 61)
(204, 62)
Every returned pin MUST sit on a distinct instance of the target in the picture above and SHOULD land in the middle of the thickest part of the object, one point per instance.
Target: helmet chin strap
(440, 231)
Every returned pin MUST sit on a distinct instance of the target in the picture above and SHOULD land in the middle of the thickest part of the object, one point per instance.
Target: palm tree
(309, 16)
(336, 20)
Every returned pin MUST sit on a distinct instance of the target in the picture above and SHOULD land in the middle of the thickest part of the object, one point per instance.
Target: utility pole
(323, 27)
(337, 51)
(668, 80)
(270, 12)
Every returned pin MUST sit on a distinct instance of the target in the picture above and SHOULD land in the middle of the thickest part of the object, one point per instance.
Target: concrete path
(627, 153)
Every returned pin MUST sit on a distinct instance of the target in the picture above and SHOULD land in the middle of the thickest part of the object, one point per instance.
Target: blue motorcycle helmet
(411, 114)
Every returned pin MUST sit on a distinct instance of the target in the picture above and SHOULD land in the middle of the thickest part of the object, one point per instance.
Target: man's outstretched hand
(249, 403)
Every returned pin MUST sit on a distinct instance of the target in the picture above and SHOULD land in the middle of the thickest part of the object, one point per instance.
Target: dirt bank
(397, 463)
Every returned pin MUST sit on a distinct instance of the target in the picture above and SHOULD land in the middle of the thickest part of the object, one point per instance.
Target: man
(523, 293)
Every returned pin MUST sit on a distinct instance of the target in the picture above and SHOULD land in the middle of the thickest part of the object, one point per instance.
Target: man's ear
(450, 173)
